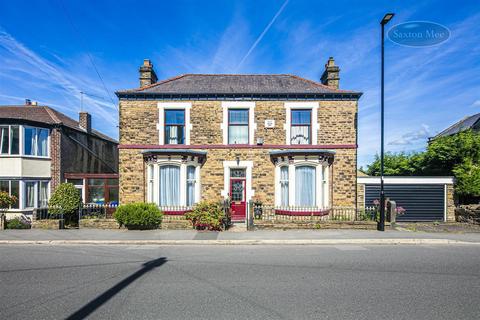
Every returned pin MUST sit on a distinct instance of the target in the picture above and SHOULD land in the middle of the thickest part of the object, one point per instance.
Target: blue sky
(47, 49)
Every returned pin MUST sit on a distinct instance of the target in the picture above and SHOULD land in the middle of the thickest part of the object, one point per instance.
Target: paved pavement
(240, 282)
(192, 235)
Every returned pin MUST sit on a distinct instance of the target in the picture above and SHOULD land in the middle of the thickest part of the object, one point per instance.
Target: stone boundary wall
(51, 224)
(468, 213)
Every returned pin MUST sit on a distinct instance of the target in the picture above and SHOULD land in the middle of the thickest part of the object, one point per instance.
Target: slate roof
(45, 115)
(470, 122)
(227, 84)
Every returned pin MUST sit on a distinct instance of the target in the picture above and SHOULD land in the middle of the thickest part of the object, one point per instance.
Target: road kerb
(392, 241)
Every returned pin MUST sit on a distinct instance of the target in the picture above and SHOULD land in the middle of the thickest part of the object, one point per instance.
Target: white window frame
(162, 106)
(23, 190)
(153, 192)
(252, 126)
(313, 106)
(322, 185)
(36, 141)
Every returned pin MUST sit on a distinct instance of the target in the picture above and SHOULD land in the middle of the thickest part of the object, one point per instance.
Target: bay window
(300, 131)
(174, 126)
(302, 184)
(173, 183)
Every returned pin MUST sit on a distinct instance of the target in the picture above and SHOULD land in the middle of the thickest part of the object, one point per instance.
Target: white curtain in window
(284, 186)
(172, 135)
(237, 134)
(43, 194)
(42, 142)
(29, 194)
(305, 186)
(300, 135)
(169, 186)
(190, 185)
(30, 141)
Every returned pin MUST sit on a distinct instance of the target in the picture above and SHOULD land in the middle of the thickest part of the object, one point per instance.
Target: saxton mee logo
(418, 33)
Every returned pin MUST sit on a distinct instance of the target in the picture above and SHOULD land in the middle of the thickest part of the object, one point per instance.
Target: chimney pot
(331, 75)
(85, 121)
(147, 74)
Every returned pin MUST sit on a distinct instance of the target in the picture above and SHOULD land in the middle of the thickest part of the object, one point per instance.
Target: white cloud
(23, 70)
(413, 136)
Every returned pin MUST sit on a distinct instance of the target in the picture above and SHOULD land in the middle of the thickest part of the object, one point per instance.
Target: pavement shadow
(97, 302)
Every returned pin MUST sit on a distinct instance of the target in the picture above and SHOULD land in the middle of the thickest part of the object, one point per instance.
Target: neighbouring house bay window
(302, 184)
(173, 184)
(36, 141)
(301, 123)
(238, 126)
(174, 126)
(9, 140)
(284, 186)
(35, 194)
(12, 188)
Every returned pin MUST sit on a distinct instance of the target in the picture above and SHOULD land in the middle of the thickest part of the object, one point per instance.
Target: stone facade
(450, 202)
(337, 131)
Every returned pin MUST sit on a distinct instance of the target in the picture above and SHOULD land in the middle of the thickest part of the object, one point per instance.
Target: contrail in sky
(260, 37)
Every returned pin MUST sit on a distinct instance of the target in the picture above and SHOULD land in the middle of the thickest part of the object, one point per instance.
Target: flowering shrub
(400, 210)
(6, 200)
(206, 215)
(18, 223)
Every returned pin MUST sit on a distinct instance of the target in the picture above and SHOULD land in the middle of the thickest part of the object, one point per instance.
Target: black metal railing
(274, 213)
(96, 211)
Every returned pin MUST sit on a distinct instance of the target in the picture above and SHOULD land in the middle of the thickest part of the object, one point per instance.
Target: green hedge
(139, 216)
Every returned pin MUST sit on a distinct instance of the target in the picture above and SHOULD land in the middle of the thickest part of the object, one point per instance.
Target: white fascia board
(406, 180)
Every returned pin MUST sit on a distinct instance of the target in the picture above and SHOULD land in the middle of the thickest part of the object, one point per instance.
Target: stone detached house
(41, 147)
(280, 139)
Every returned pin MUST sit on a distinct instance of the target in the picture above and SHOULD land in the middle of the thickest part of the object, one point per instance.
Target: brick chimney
(331, 75)
(147, 74)
(85, 121)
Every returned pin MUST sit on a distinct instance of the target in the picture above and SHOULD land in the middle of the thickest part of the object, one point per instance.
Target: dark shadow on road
(93, 305)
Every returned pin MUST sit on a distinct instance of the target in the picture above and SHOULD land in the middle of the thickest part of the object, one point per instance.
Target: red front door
(237, 195)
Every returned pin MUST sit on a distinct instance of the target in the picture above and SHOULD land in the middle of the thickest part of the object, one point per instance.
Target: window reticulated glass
(300, 131)
(284, 186)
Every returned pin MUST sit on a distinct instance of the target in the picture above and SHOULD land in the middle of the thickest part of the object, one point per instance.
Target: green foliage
(6, 200)
(17, 224)
(66, 199)
(468, 179)
(139, 215)
(397, 164)
(206, 215)
(457, 155)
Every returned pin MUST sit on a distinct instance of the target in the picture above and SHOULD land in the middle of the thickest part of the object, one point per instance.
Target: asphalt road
(240, 282)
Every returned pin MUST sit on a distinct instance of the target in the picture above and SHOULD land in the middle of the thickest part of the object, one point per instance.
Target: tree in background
(457, 155)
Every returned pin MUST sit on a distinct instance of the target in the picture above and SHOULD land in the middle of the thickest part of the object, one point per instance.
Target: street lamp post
(381, 223)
